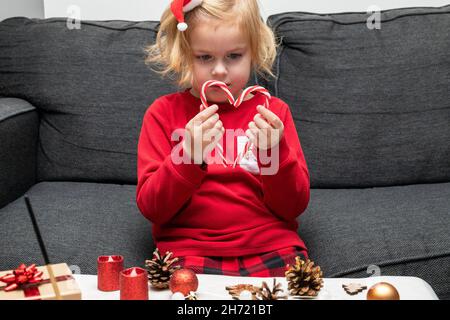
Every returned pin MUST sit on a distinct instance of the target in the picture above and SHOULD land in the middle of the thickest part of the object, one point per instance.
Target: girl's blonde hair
(171, 48)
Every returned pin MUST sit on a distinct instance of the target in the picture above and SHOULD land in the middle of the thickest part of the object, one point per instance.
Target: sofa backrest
(371, 106)
(91, 88)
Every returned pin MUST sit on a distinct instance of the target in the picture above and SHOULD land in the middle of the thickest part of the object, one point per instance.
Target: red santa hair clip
(179, 7)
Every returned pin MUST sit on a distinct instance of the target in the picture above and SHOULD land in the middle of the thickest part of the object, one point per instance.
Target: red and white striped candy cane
(236, 104)
(251, 89)
(214, 83)
(248, 146)
(205, 105)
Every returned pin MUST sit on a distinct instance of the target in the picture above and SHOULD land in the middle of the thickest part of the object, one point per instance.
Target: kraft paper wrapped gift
(43, 290)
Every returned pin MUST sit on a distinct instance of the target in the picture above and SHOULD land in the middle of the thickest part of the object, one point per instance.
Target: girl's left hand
(266, 129)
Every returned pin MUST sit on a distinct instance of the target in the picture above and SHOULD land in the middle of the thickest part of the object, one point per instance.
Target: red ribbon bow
(21, 276)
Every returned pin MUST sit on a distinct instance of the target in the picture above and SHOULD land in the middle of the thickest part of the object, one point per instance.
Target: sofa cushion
(403, 230)
(91, 87)
(372, 107)
(79, 222)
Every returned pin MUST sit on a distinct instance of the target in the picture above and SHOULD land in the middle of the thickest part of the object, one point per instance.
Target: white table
(212, 287)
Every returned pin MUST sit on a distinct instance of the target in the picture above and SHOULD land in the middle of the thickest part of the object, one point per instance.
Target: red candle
(108, 272)
(134, 284)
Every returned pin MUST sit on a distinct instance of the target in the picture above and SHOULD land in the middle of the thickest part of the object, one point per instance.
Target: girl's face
(220, 52)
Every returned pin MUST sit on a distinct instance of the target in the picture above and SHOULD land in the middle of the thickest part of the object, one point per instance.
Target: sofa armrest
(19, 127)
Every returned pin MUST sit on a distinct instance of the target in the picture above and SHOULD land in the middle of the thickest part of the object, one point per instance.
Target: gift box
(41, 288)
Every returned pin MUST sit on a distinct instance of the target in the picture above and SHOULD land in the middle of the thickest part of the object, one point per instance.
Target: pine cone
(267, 294)
(160, 269)
(304, 279)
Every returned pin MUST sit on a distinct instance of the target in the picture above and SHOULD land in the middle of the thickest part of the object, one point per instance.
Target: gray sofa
(372, 110)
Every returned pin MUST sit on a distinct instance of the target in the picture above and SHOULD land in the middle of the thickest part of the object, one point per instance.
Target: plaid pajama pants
(269, 264)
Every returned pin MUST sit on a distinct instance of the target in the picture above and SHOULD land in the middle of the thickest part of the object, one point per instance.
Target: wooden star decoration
(353, 288)
(236, 290)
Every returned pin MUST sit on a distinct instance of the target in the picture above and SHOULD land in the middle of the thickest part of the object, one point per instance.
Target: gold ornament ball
(383, 291)
(184, 281)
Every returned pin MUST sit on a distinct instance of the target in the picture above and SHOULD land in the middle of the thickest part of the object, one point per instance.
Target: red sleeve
(163, 187)
(287, 192)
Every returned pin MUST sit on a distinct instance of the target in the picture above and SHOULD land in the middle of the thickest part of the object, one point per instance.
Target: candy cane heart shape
(236, 103)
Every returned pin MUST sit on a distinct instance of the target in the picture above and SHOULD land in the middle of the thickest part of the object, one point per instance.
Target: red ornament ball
(184, 281)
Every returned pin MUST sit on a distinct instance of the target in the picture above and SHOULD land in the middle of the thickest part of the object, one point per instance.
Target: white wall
(138, 10)
(24, 8)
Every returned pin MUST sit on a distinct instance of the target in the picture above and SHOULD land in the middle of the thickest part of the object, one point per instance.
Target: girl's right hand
(202, 133)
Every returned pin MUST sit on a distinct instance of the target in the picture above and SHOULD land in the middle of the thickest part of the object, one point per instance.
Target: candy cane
(219, 84)
(251, 89)
(248, 146)
(236, 103)
(205, 105)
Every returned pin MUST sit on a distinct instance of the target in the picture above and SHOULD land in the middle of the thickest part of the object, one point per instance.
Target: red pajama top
(220, 211)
